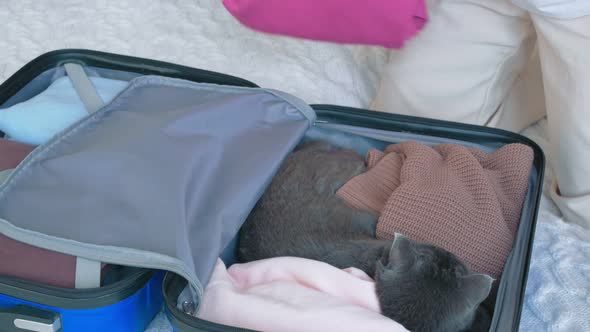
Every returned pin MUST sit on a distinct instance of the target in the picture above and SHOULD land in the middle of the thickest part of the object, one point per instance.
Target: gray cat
(420, 286)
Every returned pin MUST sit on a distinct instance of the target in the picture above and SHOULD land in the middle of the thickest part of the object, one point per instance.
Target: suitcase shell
(510, 297)
(127, 305)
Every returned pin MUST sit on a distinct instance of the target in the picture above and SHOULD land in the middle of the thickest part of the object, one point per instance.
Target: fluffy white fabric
(557, 297)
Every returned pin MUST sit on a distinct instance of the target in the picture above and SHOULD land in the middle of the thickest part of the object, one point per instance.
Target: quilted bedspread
(200, 33)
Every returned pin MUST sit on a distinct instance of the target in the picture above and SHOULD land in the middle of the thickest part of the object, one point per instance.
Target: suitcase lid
(162, 177)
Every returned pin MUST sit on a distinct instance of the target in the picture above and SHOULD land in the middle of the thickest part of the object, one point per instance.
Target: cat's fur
(420, 286)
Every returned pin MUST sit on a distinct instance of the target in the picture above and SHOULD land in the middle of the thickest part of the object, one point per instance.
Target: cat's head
(426, 288)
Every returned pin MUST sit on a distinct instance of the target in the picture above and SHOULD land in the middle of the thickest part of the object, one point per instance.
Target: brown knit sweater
(460, 199)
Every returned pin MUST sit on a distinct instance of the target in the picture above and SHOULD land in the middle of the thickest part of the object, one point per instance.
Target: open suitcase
(134, 298)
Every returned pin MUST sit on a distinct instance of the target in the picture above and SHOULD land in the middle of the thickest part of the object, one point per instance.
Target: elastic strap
(86, 91)
(87, 273)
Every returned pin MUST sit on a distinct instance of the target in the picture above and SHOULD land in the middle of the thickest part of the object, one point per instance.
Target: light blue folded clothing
(38, 119)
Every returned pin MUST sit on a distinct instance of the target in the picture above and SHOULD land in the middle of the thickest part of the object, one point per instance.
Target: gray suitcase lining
(176, 133)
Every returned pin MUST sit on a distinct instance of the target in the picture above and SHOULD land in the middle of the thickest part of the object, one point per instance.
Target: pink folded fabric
(463, 200)
(387, 23)
(288, 294)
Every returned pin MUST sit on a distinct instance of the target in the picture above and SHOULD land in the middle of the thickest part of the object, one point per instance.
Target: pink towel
(288, 294)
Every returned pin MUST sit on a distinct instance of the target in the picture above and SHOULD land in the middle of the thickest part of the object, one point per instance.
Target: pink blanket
(289, 294)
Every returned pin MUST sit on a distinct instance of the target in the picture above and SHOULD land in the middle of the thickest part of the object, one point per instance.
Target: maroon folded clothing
(12, 153)
(28, 262)
(35, 264)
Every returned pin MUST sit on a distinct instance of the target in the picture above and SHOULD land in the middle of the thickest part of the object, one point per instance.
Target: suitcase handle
(21, 318)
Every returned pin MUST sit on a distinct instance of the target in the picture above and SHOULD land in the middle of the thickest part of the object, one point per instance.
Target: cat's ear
(399, 248)
(476, 288)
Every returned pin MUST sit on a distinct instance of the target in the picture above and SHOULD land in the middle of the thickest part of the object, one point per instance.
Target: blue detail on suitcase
(129, 315)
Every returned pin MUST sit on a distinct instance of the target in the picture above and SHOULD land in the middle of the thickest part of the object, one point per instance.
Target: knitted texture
(460, 199)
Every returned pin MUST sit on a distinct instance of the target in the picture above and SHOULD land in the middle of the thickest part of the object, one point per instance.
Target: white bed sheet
(200, 33)
(557, 297)
(196, 33)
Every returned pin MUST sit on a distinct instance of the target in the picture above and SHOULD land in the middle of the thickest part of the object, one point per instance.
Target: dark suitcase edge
(111, 61)
(171, 288)
(66, 298)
